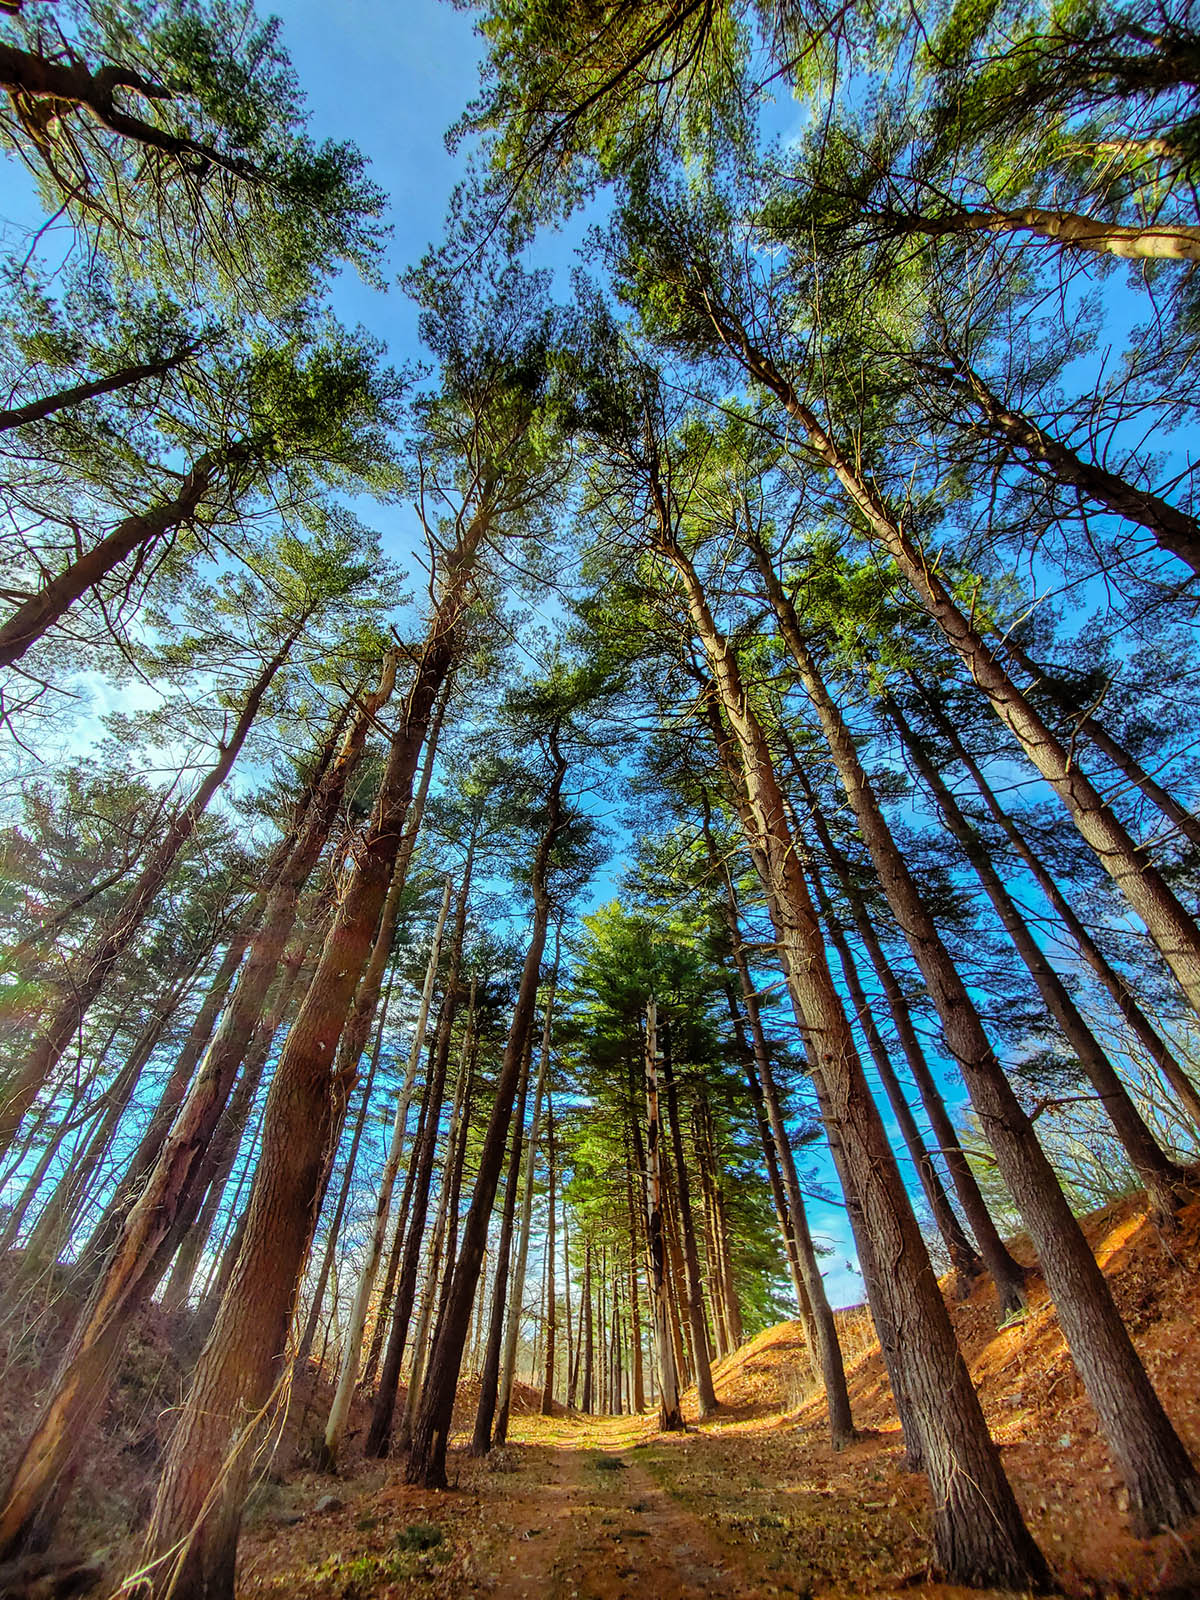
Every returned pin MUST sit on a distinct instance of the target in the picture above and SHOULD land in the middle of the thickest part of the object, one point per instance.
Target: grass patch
(419, 1536)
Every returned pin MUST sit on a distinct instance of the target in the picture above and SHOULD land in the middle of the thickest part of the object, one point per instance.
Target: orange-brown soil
(752, 1503)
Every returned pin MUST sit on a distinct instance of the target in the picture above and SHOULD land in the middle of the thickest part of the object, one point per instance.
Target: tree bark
(1124, 761)
(489, 1381)
(1168, 241)
(508, 1365)
(816, 1313)
(705, 1393)
(979, 1533)
(117, 936)
(427, 1458)
(198, 1509)
(456, 1144)
(179, 1082)
(339, 1410)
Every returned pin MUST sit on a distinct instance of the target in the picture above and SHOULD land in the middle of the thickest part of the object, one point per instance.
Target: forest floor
(754, 1503)
(751, 1503)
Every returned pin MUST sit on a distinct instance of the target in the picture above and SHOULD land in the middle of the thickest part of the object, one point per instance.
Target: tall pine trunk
(670, 1415)
(979, 1533)
(705, 1393)
(489, 1379)
(427, 1457)
(508, 1364)
(192, 1539)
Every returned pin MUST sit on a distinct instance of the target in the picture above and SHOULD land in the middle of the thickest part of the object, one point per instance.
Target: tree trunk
(333, 1236)
(705, 1393)
(123, 378)
(180, 1080)
(489, 1381)
(670, 1416)
(979, 1533)
(547, 1405)
(587, 1336)
(379, 1433)
(815, 1311)
(1141, 242)
(42, 610)
(1125, 762)
(638, 1397)
(118, 934)
(59, 1216)
(221, 1156)
(1158, 1174)
(572, 1344)
(198, 1509)
(427, 1459)
(1006, 1273)
(963, 1259)
(508, 1365)
(339, 1410)
(447, 1197)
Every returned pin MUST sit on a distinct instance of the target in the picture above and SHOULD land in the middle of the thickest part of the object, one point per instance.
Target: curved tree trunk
(42, 610)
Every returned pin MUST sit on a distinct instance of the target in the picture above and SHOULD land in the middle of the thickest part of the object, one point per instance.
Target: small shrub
(419, 1536)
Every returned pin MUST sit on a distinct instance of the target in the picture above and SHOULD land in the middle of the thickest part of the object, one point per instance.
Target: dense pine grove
(517, 860)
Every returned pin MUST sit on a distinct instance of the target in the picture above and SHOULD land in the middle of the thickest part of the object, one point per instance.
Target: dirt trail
(755, 1503)
(570, 1511)
(596, 1526)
